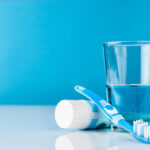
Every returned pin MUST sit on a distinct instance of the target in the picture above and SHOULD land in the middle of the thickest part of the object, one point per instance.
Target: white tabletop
(34, 128)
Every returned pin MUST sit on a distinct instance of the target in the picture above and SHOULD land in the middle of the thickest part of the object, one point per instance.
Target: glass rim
(126, 43)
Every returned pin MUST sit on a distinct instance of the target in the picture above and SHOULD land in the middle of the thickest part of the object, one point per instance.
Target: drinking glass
(127, 65)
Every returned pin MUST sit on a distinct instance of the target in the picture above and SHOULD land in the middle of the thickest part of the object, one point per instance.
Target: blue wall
(47, 47)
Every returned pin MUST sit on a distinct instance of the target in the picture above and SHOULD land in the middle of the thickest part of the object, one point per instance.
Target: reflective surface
(34, 128)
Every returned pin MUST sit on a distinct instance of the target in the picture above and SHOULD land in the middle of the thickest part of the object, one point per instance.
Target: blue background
(47, 47)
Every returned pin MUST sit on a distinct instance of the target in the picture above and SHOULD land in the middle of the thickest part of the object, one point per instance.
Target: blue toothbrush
(140, 130)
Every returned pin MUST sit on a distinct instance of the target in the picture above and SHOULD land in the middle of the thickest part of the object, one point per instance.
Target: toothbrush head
(141, 131)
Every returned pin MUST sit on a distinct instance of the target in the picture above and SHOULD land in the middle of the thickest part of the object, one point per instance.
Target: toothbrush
(140, 130)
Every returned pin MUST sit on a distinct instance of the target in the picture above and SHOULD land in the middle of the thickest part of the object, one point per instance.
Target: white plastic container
(79, 114)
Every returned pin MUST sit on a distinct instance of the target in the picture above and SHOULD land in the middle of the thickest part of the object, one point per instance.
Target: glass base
(116, 128)
(130, 117)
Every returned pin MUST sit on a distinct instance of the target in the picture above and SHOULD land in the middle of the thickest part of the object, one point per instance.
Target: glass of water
(127, 67)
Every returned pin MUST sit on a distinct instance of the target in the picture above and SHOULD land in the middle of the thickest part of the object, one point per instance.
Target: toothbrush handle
(110, 111)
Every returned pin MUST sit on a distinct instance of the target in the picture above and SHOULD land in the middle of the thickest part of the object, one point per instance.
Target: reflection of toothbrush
(140, 130)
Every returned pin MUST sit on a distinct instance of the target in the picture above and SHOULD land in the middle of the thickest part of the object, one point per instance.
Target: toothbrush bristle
(141, 131)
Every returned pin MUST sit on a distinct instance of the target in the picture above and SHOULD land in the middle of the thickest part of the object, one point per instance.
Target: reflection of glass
(130, 147)
(128, 78)
(98, 140)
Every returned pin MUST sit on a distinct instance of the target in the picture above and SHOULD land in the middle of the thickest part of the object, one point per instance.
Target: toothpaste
(79, 114)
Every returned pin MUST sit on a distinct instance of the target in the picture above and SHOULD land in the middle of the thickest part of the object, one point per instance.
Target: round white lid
(74, 114)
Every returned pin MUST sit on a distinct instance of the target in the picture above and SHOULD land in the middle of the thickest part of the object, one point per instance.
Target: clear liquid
(132, 101)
